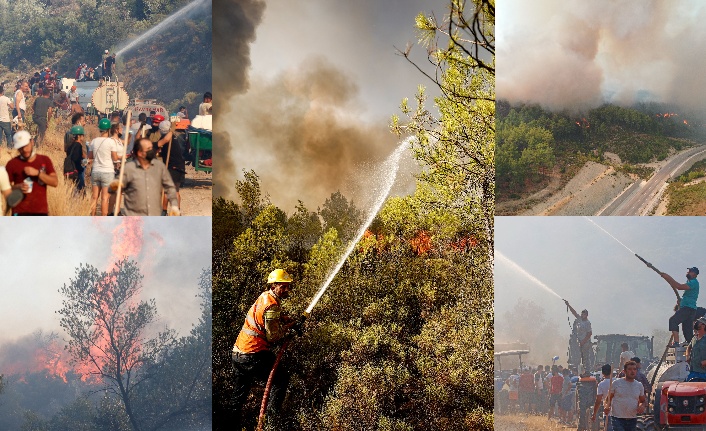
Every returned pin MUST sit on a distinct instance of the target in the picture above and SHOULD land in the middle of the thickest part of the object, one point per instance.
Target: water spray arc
(518, 268)
(390, 167)
(162, 25)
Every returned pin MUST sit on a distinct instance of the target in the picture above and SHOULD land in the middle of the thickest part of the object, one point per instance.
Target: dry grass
(62, 200)
(522, 422)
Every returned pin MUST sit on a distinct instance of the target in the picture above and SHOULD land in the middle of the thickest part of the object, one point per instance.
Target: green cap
(104, 124)
(77, 130)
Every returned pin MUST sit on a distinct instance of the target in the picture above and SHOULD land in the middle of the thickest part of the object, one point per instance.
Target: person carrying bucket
(265, 325)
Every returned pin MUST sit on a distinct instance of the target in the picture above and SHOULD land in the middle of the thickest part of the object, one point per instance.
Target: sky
(310, 90)
(577, 55)
(42, 255)
(591, 270)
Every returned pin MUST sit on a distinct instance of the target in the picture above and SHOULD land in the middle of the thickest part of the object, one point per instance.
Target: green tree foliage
(339, 214)
(402, 338)
(458, 148)
(531, 140)
(63, 33)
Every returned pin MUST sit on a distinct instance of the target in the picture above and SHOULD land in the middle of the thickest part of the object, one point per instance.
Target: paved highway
(639, 200)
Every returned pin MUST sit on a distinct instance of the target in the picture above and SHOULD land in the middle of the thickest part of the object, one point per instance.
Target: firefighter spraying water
(266, 325)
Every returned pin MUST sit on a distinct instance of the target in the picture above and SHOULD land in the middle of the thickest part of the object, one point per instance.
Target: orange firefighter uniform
(264, 326)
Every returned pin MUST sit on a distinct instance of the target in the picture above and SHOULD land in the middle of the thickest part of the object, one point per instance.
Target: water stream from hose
(517, 268)
(609, 234)
(171, 19)
(389, 169)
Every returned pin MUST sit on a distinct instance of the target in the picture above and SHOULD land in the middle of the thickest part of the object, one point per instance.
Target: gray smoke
(234, 24)
(577, 55)
(302, 133)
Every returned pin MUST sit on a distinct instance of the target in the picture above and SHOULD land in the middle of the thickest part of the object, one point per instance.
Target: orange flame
(421, 243)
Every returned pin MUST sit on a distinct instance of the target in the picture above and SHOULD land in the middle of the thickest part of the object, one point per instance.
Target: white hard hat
(106, 51)
(21, 139)
(164, 126)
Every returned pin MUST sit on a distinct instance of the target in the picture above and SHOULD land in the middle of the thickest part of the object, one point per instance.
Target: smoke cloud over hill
(578, 55)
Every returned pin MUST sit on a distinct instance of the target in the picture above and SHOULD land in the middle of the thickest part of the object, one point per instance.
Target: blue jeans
(620, 424)
(6, 129)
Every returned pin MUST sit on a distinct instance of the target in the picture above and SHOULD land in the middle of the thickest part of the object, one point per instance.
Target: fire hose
(652, 267)
(298, 327)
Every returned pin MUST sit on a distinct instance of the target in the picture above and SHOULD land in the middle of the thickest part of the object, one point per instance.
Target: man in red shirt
(31, 173)
(526, 390)
(555, 389)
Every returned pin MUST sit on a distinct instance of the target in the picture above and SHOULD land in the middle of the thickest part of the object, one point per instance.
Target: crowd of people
(551, 390)
(152, 163)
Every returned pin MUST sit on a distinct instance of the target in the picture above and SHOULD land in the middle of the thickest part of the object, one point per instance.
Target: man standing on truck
(583, 333)
(696, 351)
(626, 399)
(686, 307)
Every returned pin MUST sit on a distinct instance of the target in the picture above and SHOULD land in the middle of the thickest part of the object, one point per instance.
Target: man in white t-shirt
(6, 107)
(625, 356)
(626, 399)
(602, 389)
(20, 102)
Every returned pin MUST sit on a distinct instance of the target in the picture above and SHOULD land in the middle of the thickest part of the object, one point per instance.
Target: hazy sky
(42, 254)
(593, 271)
(323, 83)
(579, 54)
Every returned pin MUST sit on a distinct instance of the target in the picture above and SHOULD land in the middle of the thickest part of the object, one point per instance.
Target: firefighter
(264, 326)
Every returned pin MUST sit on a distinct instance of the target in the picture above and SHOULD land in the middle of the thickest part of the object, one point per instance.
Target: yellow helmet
(279, 276)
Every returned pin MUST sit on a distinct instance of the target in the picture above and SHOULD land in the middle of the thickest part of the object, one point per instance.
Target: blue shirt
(691, 295)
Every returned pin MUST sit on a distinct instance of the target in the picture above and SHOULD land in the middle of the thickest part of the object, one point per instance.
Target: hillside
(538, 152)
(173, 66)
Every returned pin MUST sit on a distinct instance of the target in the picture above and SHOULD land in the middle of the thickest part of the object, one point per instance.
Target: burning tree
(458, 147)
(107, 325)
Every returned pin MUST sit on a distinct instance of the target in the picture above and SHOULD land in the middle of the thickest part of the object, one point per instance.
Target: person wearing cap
(583, 332)
(42, 111)
(74, 152)
(144, 177)
(264, 327)
(31, 173)
(686, 307)
(696, 351)
(103, 153)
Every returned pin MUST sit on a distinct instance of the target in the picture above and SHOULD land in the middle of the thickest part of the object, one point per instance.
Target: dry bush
(521, 422)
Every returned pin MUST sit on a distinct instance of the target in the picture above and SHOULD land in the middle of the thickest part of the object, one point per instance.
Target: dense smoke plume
(530, 324)
(577, 55)
(234, 24)
(303, 134)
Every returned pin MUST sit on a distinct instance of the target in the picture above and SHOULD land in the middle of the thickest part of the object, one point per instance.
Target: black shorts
(177, 178)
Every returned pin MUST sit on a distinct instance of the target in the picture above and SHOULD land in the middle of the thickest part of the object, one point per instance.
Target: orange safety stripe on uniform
(252, 337)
